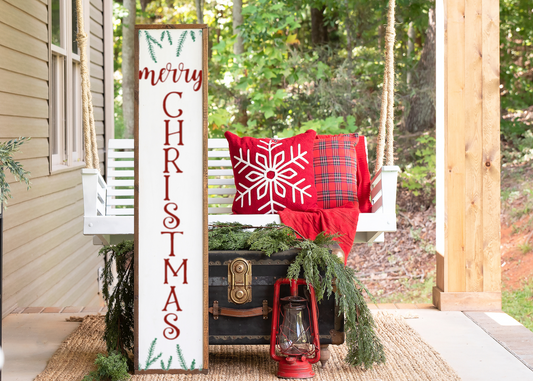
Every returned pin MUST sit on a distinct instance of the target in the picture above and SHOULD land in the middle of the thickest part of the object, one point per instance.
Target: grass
(415, 292)
(519, 304)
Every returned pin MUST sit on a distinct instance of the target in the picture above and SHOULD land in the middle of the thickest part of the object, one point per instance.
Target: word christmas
(171, 222)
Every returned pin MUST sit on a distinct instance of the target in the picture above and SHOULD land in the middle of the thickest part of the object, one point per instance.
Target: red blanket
(341, 220)
(314, 221)
(363, 177)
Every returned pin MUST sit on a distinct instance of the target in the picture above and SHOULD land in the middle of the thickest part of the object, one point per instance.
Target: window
(66, 126)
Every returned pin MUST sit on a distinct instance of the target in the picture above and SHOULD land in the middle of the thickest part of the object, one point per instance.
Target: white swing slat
(109, 206)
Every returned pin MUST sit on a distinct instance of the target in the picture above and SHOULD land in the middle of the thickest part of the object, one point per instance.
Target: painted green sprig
(150, 360)
(193, 36)
(181, 42)
(151, 42)
(166, 33)
(168, 364)
(182, 361)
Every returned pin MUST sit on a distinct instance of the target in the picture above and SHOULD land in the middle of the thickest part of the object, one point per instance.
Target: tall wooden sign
(170, 199)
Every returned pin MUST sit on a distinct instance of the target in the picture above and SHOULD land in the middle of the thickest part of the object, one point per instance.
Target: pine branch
(193, 36)
(192, 365)
(181, 41)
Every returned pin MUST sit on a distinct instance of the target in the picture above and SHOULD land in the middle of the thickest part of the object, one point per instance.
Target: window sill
(61, 168)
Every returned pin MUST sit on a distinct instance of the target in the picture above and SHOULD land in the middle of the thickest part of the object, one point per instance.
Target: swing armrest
(94, 193)
(383, 190)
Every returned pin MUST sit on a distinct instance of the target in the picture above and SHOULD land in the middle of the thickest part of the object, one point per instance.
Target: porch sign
(170, 199)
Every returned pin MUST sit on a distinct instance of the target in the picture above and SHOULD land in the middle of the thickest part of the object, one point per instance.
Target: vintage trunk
(242, 314)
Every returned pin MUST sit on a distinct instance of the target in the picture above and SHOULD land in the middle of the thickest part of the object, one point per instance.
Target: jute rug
(409, 358)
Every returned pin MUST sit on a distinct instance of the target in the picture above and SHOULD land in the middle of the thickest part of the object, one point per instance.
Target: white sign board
(170, 199)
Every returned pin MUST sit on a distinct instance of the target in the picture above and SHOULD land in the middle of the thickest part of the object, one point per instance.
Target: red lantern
(296, 337)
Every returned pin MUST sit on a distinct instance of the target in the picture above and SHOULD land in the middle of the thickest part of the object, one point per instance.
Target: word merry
(194, 76)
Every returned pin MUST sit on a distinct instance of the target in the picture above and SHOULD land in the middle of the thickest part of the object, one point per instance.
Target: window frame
(66, 132)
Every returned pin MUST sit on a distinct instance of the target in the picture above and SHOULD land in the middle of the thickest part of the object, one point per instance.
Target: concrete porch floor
(479, 346)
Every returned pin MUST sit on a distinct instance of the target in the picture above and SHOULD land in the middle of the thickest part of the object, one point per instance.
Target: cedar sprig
(181, 41)
(7, 149)
(321, 269)
(364, 346)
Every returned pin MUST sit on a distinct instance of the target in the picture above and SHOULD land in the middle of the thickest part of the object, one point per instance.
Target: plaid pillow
(335, 165)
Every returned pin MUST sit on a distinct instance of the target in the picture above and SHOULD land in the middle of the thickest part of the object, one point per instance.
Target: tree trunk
(128, 67)
(422, 112)
(411, 35)
(200, 11)
(319, 32)
(238, 47)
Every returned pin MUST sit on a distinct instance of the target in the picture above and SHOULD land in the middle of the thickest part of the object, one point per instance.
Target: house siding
(96, 54)
(47, 259)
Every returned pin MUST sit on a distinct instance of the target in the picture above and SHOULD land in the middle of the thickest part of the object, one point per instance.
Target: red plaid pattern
(335, 165)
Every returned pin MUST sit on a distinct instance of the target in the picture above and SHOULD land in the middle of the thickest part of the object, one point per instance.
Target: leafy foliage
(7, 149)
(113, 367)
(419, 176)
(119, 318)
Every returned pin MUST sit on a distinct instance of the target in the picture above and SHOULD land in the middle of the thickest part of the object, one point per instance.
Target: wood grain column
(468, 156)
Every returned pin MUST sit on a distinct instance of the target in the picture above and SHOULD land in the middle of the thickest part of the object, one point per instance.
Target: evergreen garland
(321, 269)
(181, 41)
(119, 319)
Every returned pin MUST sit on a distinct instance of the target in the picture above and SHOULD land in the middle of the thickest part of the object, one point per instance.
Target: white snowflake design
(271, 175)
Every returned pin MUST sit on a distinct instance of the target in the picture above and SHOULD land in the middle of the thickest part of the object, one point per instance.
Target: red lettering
(173, 161)
(173, 331)
(171, 241)
(180, 111)
(145, 72)
(179, 132)
(173, 296)
(167, 178)
(198, 80)
(173, 220)
(175, 273)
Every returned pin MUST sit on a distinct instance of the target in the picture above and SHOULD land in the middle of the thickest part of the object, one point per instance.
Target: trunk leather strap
(216, 311)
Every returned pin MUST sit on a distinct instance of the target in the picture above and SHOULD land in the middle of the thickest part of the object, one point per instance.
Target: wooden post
(468, 156)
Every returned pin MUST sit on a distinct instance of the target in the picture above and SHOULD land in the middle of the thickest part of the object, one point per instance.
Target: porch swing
(108, 206)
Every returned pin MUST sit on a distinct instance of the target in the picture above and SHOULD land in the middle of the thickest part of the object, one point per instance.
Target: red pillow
(271, 175)
(341, 171)
(335, 165)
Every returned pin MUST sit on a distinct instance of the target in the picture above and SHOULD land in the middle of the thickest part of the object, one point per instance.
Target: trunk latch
(240, 281)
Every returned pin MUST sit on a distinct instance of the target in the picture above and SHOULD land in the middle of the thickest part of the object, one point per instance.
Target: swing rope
(89, 131)
(386, 118)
